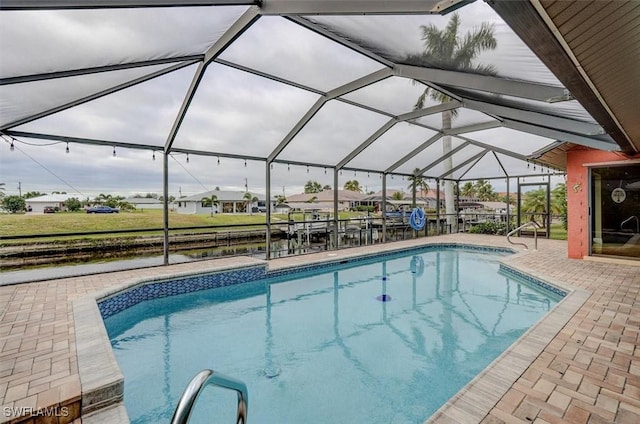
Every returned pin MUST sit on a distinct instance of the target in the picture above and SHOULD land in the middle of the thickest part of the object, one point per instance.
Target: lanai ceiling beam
(494, 148)
(107, 4)
(340, 91)
(360, 7)
(443, 157)
(470, 168)
(552, 133)
(414, 152)
(475, 157)
(506, 174)
(97, 69)
(334, 37)
(486, 83)
(94, 96)
(400, 118)
(376, 135)
(237, 28)
(541, 119)
(473, 128)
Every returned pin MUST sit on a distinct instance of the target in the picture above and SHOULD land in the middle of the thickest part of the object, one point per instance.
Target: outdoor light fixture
(218, 160)
(325, 171)
(288, 167)
(307, 169)
(67, 149)
(12, 147)
(272, 165)
(245, 163)
(114, 151)
(187, 157)
(154, 155)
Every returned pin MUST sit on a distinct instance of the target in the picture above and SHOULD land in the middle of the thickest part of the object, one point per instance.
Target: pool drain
(272, 372)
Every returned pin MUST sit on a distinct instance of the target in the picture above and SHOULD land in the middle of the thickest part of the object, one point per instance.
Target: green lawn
(558, 232)
(77, 222)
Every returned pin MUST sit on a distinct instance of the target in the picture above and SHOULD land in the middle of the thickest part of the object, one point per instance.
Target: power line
(187, 171)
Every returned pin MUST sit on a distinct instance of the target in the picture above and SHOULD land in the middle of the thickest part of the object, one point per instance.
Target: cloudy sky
(233, 111)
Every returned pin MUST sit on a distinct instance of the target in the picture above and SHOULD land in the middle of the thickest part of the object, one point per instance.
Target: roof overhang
(591, 47)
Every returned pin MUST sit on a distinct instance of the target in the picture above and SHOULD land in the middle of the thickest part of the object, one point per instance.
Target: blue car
(102, 209)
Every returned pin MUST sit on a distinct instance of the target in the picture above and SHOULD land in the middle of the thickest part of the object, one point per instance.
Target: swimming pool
(378, 342)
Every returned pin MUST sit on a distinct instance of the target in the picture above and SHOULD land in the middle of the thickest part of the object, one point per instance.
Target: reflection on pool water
(321, 347)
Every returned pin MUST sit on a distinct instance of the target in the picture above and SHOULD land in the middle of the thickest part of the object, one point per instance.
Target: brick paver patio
(588, 373)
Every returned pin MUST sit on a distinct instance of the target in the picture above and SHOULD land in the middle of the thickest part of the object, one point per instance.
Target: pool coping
(102, 382)
(477, 398)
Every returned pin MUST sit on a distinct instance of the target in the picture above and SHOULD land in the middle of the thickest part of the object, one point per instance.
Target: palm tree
(353, 185)
(211, 201)
(484, 191)
(446, 49)
(249, 199)
(398, 195)
(312, 187)
(468, 190)
(559, 202)
(535, 203)
(418, 182)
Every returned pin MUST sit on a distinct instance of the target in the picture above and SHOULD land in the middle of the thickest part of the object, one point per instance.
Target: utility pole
(20, 188)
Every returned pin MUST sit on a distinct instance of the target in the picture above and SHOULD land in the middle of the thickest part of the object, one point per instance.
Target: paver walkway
(588, 373)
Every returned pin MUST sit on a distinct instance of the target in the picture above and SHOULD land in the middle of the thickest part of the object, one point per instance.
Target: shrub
(364, 208)
(73, 204)
(14, 204)
(489, 227)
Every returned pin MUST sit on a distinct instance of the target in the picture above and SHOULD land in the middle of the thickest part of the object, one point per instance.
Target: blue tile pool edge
(157, 288)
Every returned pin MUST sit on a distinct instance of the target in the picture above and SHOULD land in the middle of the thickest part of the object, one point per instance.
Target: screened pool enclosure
(347, 88)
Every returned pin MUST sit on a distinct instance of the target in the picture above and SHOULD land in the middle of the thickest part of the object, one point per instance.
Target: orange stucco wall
(577, 192)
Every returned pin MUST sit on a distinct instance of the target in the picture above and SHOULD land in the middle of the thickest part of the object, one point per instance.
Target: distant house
(228, 202)
(346, 199)
(426, 200)
(56, 201)
(142, 203)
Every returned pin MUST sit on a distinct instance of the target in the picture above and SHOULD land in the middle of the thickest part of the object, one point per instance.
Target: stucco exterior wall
(577, 196)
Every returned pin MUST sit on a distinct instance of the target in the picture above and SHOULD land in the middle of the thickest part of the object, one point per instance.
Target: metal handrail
(195, 386)
(535, 235)
(629, 219)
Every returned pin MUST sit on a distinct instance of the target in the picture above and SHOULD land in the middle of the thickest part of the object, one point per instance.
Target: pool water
(385, 342)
